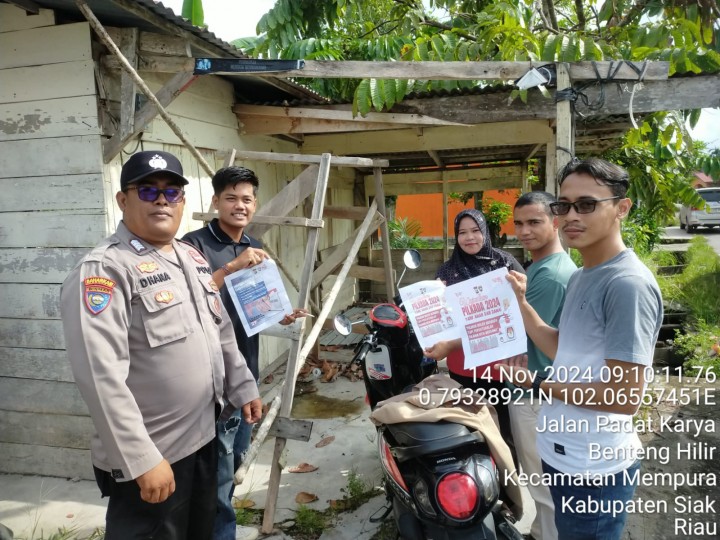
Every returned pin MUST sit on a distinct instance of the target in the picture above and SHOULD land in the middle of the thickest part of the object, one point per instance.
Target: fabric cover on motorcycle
(411, 407)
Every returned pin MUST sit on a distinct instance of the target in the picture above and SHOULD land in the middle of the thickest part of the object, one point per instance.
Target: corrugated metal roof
(129, 14)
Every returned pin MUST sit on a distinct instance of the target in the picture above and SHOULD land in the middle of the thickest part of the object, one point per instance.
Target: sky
(232, 19)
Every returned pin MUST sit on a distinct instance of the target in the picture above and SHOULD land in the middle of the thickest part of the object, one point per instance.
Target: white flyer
(259, 296)
(429, 315)
(489, 317)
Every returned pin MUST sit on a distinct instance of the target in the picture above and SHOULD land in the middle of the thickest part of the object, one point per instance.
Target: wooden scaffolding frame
(313, 179)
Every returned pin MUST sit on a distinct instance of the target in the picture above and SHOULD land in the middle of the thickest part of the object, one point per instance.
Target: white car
(692, 218)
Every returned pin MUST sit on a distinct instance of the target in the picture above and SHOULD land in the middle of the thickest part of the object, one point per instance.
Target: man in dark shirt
(228, 249)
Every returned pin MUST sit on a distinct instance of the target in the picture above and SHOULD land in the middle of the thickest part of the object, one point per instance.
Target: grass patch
(700, 346)
(310, 523)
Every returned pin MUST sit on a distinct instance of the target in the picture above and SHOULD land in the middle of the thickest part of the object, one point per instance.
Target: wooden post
(380, 199)
(550, 169)
(105, 37)
(293, 359)
(293, 372)
(446, 251)
(565, 127)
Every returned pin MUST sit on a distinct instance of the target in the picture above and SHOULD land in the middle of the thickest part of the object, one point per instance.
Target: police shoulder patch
(98, 293)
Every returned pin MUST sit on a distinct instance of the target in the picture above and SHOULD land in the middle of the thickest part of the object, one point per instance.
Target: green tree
(685, 33)
(659, 153)
(661, 164)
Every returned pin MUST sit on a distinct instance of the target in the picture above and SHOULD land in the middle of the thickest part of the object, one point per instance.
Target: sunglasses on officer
(151, 193)
(584, 206)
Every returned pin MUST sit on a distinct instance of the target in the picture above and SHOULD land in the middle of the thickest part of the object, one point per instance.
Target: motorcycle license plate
(377, 364)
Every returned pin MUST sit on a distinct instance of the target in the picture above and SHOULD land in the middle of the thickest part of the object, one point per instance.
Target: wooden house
(71, 116)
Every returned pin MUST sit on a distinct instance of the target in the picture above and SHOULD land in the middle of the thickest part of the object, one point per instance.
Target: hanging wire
(575, 94)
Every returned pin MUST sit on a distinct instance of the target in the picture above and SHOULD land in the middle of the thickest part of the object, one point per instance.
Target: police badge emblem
(157, 162)
(164, 296)
(98, 293)
(147, 267)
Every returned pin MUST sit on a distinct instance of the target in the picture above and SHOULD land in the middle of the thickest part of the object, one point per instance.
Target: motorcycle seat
(420, 438)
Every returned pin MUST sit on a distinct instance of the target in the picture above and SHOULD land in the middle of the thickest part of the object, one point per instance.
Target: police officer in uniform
(153, 352)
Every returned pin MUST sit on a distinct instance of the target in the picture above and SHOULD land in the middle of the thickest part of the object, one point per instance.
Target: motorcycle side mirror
(342, 324)
(412, 260)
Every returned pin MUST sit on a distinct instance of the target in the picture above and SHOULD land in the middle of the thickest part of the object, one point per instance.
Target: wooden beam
(295, 358)
(454, 71)
(267, 125)
(261, 116)
(128, 46)
(450, 175)
(268, 220)
(432, 138)
(110, 44)
(481, 185)
(339, 254)
(172, 28)
(157, 46)
(144, 116)
(154, 63)
(335, 114)
(697, 91)
(337, 161)
(435, 157)
(286, 200)
(565, 128)
(387, 256)
(550, 169)
(356, 213)
(371, 273)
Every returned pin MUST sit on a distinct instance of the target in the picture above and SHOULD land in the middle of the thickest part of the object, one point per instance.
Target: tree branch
(580, 14)
(632, 14)
(550, 13)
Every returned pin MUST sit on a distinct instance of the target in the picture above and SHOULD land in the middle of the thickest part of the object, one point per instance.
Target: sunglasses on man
(584, 206)
(151, 193)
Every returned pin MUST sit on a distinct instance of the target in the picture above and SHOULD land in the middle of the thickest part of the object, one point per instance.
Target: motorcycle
(441, 481)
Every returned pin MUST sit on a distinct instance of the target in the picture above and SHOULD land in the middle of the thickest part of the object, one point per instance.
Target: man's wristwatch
(537, 381)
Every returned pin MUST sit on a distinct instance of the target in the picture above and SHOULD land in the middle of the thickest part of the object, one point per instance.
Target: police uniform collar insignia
(147, 267)
(98, 293)
(137, 245)
(157, 162)
(164, 297)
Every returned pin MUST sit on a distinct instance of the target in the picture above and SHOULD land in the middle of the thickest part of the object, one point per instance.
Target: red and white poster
(489, 318)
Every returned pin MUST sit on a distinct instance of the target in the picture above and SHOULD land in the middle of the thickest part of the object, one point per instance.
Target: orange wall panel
(427, 210)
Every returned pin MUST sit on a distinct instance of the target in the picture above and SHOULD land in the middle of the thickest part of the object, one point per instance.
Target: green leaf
(390, 93)
(550, 48)
(707, 33)
(377, 91)
(192, 10)
(362, 102)
(438, 46)
(569, 49)
(694, 117)
(270, 20)
(606, 11)
(401, 88)
(421, 50)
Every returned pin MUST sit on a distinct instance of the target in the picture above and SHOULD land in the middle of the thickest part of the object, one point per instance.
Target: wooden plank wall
(58, 200)
(52, 209)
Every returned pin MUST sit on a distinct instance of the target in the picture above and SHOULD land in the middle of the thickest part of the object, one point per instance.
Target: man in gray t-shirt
(601, 349)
